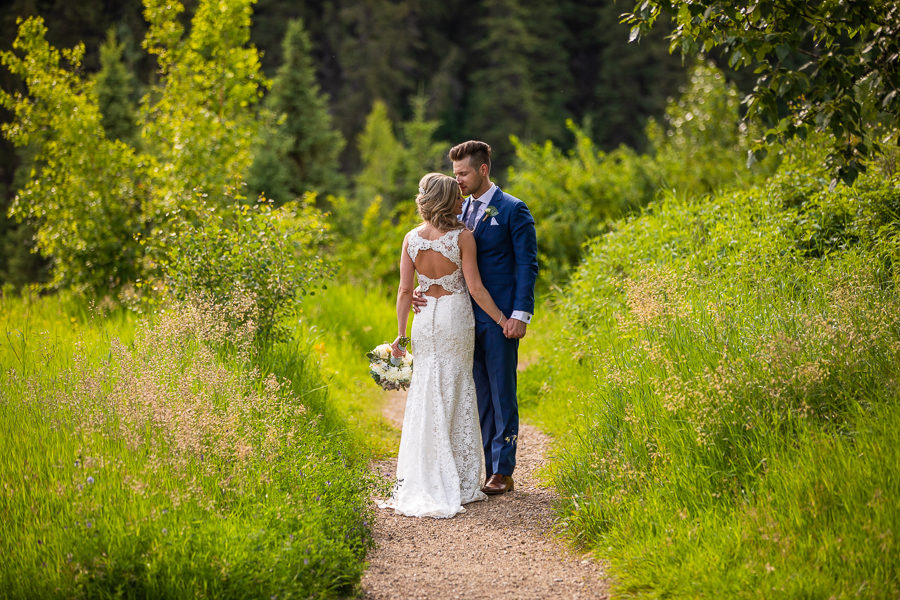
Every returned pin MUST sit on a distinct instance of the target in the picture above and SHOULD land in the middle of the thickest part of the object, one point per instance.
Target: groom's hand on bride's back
(514, 329)
(418, 300)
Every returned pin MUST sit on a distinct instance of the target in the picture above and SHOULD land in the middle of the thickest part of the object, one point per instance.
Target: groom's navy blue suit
(507, 261)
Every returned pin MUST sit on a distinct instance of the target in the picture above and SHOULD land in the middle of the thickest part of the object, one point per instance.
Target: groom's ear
(484, 170)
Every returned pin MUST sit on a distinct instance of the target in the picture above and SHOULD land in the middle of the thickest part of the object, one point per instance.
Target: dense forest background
(487, 69)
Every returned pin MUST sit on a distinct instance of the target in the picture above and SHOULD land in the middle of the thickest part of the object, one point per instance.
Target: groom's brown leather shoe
(498, 484)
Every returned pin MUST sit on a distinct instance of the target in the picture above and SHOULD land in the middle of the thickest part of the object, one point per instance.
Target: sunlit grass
(724, 403)
(342, 323)
(136, 459)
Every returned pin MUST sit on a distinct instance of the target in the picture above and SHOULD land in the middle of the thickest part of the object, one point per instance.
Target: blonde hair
(438, 195)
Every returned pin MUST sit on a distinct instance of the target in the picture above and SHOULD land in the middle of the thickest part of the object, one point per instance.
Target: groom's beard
(477, 185)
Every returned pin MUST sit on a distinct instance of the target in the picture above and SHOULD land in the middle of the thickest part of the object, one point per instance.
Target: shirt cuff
(521, 315)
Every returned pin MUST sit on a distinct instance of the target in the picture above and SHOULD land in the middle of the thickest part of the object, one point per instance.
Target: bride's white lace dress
(440, 466)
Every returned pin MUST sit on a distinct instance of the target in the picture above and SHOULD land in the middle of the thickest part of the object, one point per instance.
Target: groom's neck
(484, 188)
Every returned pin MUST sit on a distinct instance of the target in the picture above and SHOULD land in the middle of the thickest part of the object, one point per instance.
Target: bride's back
(434, 264)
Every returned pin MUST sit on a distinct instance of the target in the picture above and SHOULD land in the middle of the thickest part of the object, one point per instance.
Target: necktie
(473, 210)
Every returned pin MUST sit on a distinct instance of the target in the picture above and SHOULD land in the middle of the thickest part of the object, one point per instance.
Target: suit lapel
(489, 203)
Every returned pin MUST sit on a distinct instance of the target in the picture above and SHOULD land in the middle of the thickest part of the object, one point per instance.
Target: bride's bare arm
(404, 291)
(468, 253)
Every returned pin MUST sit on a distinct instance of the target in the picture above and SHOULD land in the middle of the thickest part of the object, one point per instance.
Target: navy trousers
(494, 370)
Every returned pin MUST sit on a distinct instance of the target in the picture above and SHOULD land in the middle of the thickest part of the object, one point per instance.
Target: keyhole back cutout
(434, 265)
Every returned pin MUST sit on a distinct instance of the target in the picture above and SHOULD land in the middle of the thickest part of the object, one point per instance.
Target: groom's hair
(479, 153)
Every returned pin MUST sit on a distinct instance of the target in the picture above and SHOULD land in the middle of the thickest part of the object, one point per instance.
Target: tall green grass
(342, 323)
(724, 385)
(156, 459)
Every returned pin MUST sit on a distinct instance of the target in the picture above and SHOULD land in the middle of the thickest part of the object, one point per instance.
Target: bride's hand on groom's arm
(514, 329)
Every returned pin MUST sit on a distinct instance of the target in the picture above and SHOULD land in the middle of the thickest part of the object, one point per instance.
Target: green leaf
(635, 33)
(782, 51)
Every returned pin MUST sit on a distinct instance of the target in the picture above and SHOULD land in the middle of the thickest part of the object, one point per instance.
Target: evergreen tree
(550, 73)
(617, 85)
(298, 151)
(504, 99)
(378, 44)
(382, 157)
(114, 86)
(20, 264)
(422, 153)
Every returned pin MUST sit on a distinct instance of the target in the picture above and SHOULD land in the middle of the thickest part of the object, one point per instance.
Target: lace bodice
(448, 246)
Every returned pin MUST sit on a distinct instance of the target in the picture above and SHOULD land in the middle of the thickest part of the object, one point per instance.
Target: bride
(440, 466)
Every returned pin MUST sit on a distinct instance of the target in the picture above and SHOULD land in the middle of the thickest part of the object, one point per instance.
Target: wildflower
(90, 480)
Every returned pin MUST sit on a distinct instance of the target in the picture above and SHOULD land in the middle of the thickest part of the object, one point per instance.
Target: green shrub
(369, 248)
(573, 196)
(81, 196)
(89, 198)
(701, 146)
(267, 257)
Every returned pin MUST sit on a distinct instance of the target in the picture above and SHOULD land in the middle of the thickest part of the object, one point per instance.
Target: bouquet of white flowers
(391, 373)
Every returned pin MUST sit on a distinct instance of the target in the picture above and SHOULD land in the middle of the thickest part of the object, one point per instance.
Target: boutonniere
(490, 211)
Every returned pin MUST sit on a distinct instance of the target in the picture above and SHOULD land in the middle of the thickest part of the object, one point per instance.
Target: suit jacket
(507, 254)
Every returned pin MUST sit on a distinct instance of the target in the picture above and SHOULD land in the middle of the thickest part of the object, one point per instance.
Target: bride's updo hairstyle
(438, 195)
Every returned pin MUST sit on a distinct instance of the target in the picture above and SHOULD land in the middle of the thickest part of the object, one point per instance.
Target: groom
(507, 260)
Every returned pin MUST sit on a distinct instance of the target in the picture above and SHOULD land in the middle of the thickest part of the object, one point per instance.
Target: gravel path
(500, 548)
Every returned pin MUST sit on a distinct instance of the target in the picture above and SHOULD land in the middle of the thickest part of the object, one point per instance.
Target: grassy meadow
(340, 324)
(170, 458)
(722, 378)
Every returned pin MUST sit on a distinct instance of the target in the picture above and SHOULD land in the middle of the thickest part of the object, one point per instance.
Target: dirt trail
(500, 548)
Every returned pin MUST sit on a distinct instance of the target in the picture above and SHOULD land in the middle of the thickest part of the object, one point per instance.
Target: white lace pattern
(440, 466)
(448, 245)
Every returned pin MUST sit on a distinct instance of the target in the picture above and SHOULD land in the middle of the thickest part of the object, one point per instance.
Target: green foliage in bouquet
(266, 255)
